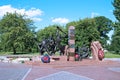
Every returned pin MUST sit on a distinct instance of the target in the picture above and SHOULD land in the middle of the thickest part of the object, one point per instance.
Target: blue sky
(48, 12)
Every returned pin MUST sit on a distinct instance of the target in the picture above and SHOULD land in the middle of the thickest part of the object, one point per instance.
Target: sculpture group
(51, 45)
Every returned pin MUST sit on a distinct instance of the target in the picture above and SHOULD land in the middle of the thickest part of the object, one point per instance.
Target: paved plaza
(63, 75)
(61, 70)
(9, 71)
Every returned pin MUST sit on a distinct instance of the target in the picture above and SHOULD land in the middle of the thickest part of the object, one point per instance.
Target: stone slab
(64, 75)
(115, 69)
(12, 73)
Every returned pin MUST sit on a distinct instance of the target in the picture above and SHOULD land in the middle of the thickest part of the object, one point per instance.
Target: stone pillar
(71, 42)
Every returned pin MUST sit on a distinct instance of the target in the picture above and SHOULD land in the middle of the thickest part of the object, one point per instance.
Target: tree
(16, 32)
(116, 12)
(86, 32)
(115, 43)
(104, 26)
(91, 29)
(50, 31)
(46, 32)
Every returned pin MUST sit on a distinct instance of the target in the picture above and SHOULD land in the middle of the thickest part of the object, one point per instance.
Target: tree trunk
(14, 50)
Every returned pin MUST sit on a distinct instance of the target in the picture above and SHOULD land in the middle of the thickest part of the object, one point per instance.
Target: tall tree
(116, 12)
(16, 31)
(115, 44)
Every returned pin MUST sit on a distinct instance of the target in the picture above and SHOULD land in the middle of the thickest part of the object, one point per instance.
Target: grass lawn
(18, 53)
(110, 55)
(107, 55)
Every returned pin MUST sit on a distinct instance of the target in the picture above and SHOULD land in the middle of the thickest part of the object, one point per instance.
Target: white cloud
(32, 13)
(93, 14)
(60, 20)
(36, 19)
(6, 8)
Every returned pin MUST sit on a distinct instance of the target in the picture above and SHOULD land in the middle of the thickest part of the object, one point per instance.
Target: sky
(49, 12)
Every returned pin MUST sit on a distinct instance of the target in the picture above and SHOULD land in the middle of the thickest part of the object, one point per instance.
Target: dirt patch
(62, 62)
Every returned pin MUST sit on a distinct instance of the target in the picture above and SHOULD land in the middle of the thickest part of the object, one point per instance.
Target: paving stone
(116, 69)
(64, 75)
(13, 73)
(113, 59)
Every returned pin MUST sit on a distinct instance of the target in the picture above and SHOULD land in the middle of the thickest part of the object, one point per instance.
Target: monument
(71, 42)
(97, 50)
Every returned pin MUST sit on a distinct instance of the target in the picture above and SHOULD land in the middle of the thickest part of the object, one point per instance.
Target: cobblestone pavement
(61, 70)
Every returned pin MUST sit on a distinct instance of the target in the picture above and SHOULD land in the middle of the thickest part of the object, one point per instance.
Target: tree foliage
(104, 26)
(46, 32)
(16, 32)
(115, 43)
(51, 31)
(116, 12)
(86, 32)
(91, 29)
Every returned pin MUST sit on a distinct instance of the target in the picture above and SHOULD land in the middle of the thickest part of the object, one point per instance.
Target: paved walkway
(9, 71)
(61, 70)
